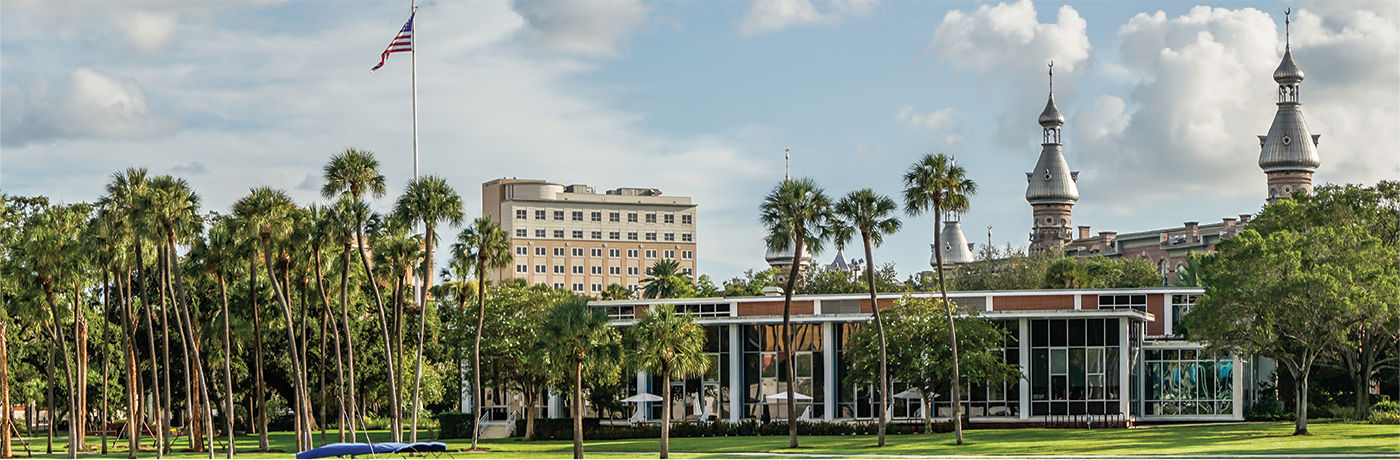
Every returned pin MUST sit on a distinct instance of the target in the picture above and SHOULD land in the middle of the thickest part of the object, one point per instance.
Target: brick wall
(774, 308)
(1033, 302)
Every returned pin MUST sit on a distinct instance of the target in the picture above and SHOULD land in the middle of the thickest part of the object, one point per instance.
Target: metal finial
(1052, 76)
(1286, 22)
(787, 163)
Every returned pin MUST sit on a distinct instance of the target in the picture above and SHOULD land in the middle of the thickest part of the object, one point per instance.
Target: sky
(1164, 101)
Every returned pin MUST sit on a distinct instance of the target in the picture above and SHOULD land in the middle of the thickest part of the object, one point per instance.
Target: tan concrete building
(569, 236)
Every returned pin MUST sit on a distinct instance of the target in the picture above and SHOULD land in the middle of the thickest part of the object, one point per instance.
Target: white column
(1237, 387)
(466, 385)
(736, 366)
(829, 385)
(556, 405)
(1124, 393)
(1167, 315)
(642, 388)
(1078, 302)
(1024, 385)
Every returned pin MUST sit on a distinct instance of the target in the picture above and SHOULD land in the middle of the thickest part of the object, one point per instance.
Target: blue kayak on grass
(353, 449)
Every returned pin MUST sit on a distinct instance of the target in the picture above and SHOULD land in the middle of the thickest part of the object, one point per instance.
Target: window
(686, 219)
(558, 233)
(1181, 305)
(596, 270)
(558, 215)
(669, 218)
(651, 236)
(1074, 366)
(685, 270)
(632, 217)
(578, 216)
(614, 270)
(631, 270)
(520, 233)
(686, 237)
(632, 253)
(521, 214)
(614, 253)
(651, 253)
(540, 269)
(614, 235)
(578, 287)
(577, 252)
(670, 237)
(669, 254)
(559, 252)
(651, 218)
(522, 251)
(614, 217)
(540, 250)
(522, 268)
(1188, 382)
(559, 285)
(595, 252)
(595, 216)
(539, 214)
(597, 235)
(539, 233)
(578, 269)
(558, 269)
(577, 234)
(1120, 302)
(687, 255)
(596, 287)
(632, 236)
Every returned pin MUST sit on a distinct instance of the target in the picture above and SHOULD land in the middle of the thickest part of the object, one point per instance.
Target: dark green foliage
(561, 429)
(458, 425)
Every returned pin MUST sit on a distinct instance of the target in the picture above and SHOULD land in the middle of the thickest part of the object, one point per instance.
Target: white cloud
(83, 104)
(942, 124)
(1008, 49)
(765, 16)
(596, 28)
(1205, 90)
(146, 31)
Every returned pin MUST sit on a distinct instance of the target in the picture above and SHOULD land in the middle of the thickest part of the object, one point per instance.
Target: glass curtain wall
(706, 397)
(1187, 382)
(1074, 366)
(765, 372)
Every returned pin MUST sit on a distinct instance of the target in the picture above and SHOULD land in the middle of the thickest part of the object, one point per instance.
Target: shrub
(1384, 418)
(454, 425)
(562, 429)
(1386, 405)
(1267, 407)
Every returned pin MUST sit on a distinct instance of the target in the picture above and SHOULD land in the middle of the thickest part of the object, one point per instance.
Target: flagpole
(413, 13)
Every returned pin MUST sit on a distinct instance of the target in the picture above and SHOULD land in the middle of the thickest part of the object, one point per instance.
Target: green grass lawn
(1262, 438)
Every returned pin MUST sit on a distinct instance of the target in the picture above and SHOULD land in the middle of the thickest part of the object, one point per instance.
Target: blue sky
(1164, 100)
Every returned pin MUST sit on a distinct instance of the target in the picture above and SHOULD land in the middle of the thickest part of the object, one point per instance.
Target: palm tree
(342, 225)
(353, 173)
(219, 253)
(325, 229)
(487, 247)
(869, 213)
(44, 252)
(128, 193)
(395, 255)
(175, 207)
(616, 291)
(430, 200)
(672, 346)
(666, 281)
(935, 183)
(582, 343)
(267, 211)
(796, 213)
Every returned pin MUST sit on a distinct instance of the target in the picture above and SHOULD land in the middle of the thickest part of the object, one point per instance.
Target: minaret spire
(1052, 77)
(787, 163)
(1286, 32)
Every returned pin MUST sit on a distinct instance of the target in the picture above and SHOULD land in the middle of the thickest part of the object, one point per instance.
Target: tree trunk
(300, 378)
(260, 412)
(578, 408)
(666, 410)
(133, 385)
(74, 438)
(191, 403)
(793, 273)
(321, 374)
(80, 363)
(228, 366)
(476, 356)
(328, 319)
(396, 322)
(6, 420)
(106, 354)
(149, 307)
(952, 331)
(1300, 426)
(48, 449)
(384, 325)
(422, 322)
(530, 396)
(201, 399)
(880, 336)
(168, 415)
(353, 406)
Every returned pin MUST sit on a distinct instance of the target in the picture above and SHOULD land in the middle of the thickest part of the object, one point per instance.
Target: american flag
(402, 43)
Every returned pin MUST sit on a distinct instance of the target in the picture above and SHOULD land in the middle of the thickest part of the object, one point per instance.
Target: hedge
(562, 429)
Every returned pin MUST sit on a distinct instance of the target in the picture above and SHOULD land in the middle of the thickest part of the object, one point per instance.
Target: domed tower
(956, 249)
(1051, 188)
(1288, 154)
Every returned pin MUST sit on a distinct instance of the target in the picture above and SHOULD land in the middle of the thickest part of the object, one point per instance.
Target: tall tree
(1291, 296)
(354, 173)
(935, 184)
(127, 195)
(665, 281)
(870, 214)
(427, 199)
(266, 210)
(582, 344)
(487, 247)
(396, 253)
(342, 224)
(219, 256)
(796, 214)
(669, 345)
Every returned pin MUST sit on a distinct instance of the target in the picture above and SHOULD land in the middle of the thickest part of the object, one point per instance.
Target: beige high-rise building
(568, 236)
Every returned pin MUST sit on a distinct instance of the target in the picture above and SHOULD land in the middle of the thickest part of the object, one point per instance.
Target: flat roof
(896, 295)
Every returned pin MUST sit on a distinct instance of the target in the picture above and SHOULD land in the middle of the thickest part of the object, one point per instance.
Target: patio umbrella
(642, 397)
(783, 397)
(912, 393)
